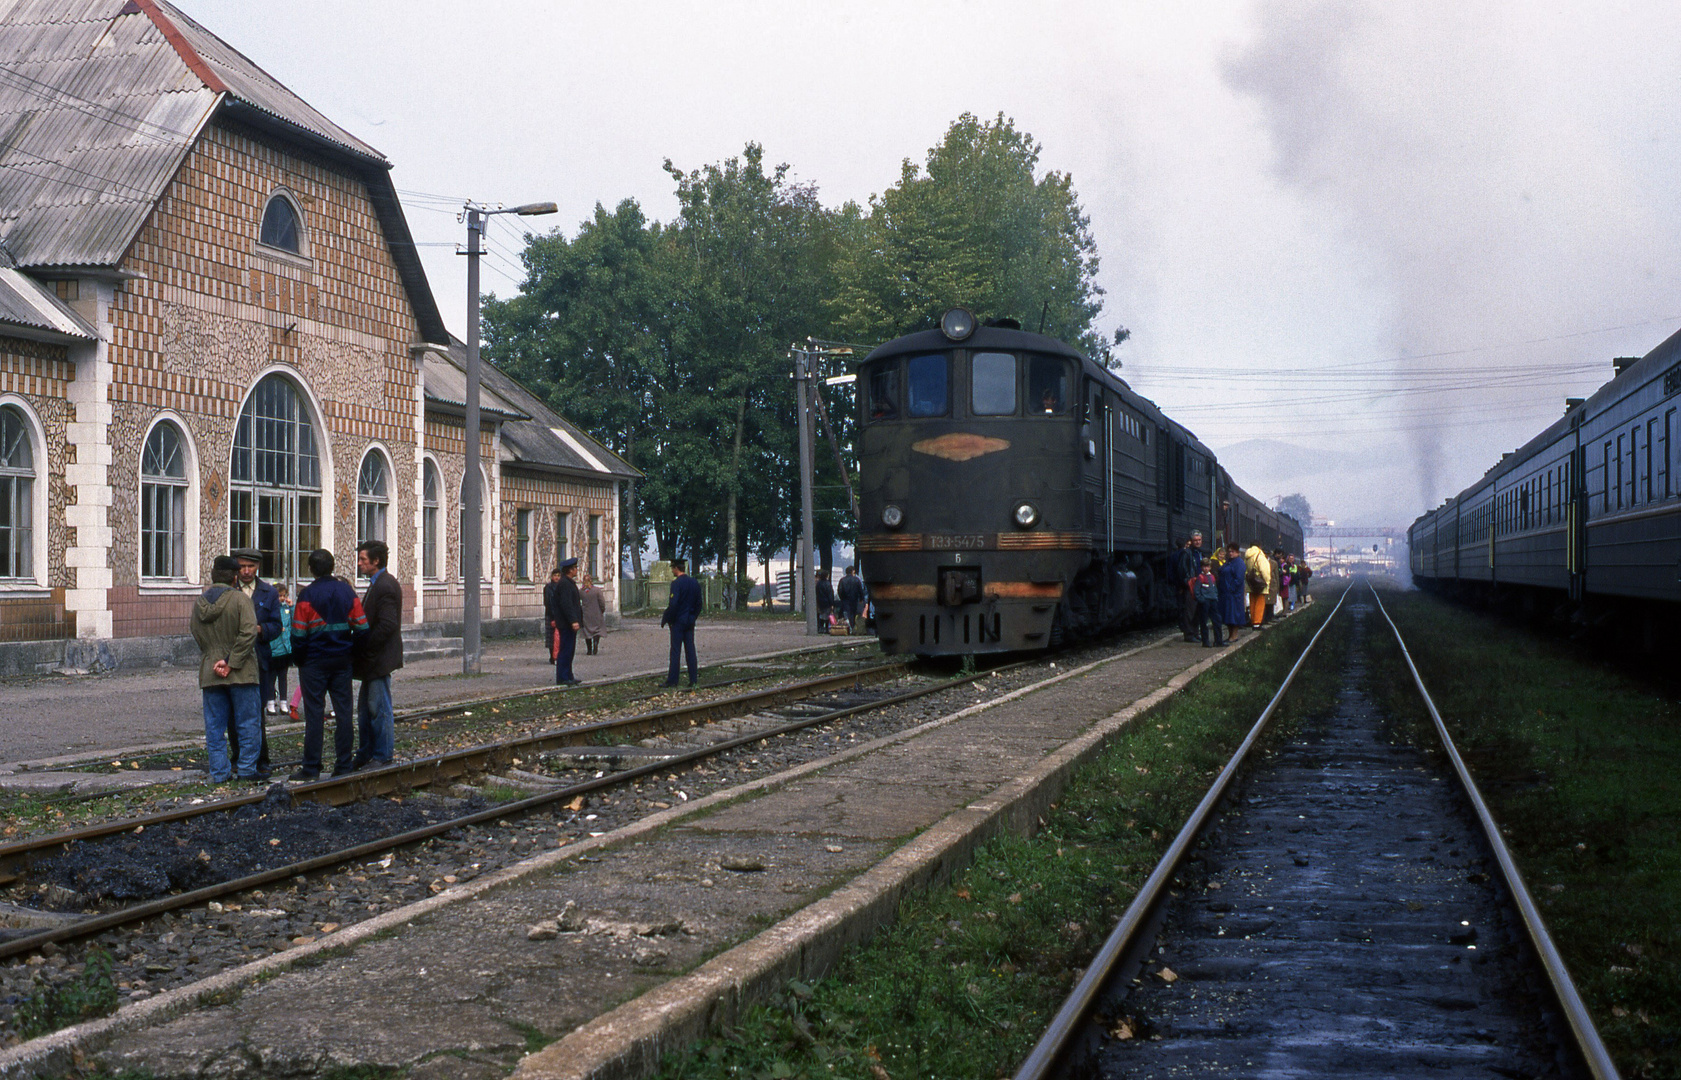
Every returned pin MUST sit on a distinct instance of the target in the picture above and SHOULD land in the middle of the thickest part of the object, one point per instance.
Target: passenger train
(1015, 495)
(1583, 520)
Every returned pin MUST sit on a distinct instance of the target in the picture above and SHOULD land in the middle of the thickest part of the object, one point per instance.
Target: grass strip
(1579, 764)
(962, 984)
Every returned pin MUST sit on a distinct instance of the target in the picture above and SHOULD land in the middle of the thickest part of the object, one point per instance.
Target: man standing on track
(680, 615)
(851, 595)
(325, 625)
(378, 654)
(265, 604)
(225, 629)
(568, 615)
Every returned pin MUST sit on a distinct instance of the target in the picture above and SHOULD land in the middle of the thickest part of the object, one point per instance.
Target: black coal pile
(212, 848)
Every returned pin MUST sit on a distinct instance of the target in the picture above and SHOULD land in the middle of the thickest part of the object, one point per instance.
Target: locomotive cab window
(882, 394)
(992, 384)
(1048, 386)
(927, 385)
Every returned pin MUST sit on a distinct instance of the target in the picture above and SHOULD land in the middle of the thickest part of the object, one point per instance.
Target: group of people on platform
(1233, 588)
(249, 633)
(852, 596)
(571, 611)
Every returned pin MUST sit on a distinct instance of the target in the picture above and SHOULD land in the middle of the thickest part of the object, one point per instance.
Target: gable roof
(100, 101)
(533, 435)
(29, 310)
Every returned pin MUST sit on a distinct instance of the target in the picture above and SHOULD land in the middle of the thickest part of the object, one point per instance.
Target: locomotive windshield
(1048, 385)
(882, 402)
(927, 379)
(992, 384)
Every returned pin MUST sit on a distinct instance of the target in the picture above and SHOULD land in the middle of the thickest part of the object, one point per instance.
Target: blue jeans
(318, 678)
(241, 707)
(377, 727)
(563, 656)
(682, 642)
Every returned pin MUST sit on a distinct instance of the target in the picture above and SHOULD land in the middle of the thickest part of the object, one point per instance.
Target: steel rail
(99, 923)
(1059, 1035)
(1588, 1042)
(424, 772)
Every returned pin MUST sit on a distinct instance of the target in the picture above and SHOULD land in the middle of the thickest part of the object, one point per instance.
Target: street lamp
(472, 539)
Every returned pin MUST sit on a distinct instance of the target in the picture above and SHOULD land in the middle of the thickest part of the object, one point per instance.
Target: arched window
(163, 504)
(281, 227)
(17, 497)
(373, 497)
(429, 521)
(275, 480)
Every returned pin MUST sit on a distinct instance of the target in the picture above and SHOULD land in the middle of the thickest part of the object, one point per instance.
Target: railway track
(569, 780)
(1345, 908)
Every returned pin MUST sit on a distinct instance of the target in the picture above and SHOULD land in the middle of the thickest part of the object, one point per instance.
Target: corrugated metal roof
(446, 384)
(96, 113)
(25, 302)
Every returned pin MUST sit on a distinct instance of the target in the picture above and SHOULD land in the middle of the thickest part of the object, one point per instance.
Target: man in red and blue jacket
(327, 622)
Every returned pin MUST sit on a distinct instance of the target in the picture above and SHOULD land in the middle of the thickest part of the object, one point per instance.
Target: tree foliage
(669, 342)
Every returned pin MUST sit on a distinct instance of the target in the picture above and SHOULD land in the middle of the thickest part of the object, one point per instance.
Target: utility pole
(472, 491)
(472, 543)
(808, 571)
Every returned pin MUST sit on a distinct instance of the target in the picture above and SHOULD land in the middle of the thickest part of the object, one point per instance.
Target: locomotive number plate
(958, 542)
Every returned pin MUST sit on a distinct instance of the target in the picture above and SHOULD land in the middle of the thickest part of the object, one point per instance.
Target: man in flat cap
(565, 611)
(265, 604)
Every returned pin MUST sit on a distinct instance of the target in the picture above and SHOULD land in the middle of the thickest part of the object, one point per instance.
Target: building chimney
(1571, 403)
(1621, 364)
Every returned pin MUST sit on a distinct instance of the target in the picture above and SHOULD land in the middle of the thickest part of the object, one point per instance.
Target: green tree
(974, 227)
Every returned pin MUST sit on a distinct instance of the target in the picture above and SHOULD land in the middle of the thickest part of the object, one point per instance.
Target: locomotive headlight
(892, 516)
(1026, 515)
(957, 324)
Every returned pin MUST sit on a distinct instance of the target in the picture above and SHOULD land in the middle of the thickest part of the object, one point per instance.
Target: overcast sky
(1365, 247)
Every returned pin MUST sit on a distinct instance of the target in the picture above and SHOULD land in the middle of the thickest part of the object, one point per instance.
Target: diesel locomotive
(1015, 495)
(1582, 521)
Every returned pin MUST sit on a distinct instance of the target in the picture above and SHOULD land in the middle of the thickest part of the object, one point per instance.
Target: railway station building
(215, 333)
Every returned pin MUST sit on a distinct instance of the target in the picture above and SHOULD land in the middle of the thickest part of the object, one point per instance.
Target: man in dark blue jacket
(326, 625)
(265, 603)
(680, 615)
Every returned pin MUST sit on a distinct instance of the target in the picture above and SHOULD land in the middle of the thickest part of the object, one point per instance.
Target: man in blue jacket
(327, 623)
(680, 615)
(265, 603)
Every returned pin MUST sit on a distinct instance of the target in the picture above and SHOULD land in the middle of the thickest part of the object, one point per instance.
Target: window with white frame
(484, 532)
(562, 536)
(281, 226)
(163, 505)
(17, 497)
(595, 547)
(373, 497)
(429, 521)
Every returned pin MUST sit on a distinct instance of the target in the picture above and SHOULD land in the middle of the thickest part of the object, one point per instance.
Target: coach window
(927, 383)
(992, 384)
(883, 400)
(1668, 433)
(1047, 385)
(282, 225)
(163, 505)
(17, 498)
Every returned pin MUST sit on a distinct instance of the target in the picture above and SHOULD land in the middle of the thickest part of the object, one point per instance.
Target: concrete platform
(453, 986)
(47, 718)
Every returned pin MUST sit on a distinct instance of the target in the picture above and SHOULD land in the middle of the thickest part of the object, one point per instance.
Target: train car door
(1576, 520)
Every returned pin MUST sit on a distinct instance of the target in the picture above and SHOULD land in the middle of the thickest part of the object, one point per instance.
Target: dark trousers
(1208, 616)
(274, 678)
(563, 657)
(1187, 612)
(849, 612)
(682, 645)
(318, 678)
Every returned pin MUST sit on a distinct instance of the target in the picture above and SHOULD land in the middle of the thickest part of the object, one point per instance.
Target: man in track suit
(326, 622)
(568, 613)
(265, 604)
(378, 654)
(680, 615)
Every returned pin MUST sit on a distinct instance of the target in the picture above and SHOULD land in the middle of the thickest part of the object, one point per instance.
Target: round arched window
(281, 227)
(163, 504)
(17, 497)
(275, 480)
(373, 497)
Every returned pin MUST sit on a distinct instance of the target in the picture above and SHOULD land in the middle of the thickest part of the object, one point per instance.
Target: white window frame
(297, 214)
(187, 491)
(36, 578)
(383, 506)
(431, 548)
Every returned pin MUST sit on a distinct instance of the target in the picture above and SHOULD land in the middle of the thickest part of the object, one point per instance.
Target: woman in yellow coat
(1257, 576)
